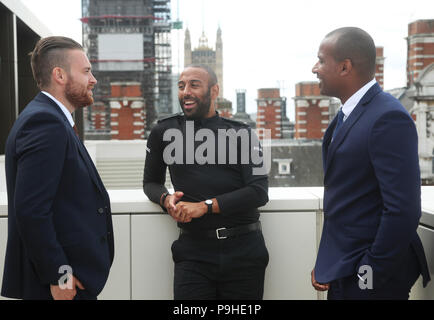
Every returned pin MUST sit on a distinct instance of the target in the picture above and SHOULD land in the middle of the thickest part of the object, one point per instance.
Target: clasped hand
(182, 211)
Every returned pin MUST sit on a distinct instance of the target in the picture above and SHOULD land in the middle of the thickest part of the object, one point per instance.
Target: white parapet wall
(291, 221)
(143, 266)
(2, 174)
(120, 163)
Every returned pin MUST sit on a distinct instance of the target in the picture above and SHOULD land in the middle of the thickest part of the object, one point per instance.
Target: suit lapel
(349, 122)
(326, 141)
(89, 163)
(81, 148)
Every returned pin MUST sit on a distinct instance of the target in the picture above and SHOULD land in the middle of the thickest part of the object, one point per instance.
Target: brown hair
(49, 53)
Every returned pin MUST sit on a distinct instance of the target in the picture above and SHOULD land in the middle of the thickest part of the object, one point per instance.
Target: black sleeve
(254, 194)
(154, 175)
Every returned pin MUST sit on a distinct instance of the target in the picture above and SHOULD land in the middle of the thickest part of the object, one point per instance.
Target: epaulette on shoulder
(236, 122)
(171, 116)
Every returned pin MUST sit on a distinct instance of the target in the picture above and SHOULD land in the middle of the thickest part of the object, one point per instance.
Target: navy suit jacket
(58, 209)
(372, 202)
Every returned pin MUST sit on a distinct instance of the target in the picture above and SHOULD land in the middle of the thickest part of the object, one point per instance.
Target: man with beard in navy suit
(59, 218)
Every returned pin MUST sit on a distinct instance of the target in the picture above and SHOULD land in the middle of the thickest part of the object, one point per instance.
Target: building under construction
(127, 41)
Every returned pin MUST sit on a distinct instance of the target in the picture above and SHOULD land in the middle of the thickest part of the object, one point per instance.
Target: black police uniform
(217, 256)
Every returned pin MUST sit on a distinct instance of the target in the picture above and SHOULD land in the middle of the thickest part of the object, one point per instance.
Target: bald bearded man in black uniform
(221, 252)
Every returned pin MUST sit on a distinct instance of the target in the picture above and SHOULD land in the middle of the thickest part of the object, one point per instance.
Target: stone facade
(204, 54)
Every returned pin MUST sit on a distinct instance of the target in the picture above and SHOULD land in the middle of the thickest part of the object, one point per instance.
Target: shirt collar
(62, 107)
(204, 121)
(213, 118)
(352, 102)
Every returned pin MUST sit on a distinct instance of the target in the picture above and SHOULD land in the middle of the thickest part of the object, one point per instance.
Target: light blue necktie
(339, 123)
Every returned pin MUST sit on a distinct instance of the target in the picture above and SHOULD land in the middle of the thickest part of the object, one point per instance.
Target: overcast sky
(270, 43)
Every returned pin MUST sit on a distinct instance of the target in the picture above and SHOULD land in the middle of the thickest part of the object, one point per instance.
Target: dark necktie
(338, 123)
(76, 131)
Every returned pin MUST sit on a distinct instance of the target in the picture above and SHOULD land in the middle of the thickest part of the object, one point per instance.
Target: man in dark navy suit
(60, 234)
(369, 247)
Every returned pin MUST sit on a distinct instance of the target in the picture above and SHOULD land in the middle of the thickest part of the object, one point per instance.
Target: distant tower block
(241, 114)
(127, 111)
(379, 66)
(420, 48)
(269, 112)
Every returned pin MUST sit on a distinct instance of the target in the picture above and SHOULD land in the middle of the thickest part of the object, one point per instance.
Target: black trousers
(397, 287)
(84, 295)
(212, 269)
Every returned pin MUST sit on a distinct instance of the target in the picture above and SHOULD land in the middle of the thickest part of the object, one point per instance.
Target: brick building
(418, 95)
(269, 112)
(379, 66)
(97, 119)
(127, 111)
(313, 111)
(420, 48)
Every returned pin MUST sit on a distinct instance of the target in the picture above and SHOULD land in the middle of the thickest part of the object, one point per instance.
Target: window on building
(284, 166)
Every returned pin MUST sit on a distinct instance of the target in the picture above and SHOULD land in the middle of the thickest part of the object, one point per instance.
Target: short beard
(203, 107)
(77, 96)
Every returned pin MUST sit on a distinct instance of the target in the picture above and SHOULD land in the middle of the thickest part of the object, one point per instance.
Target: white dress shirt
(352, 102)
(62, 107)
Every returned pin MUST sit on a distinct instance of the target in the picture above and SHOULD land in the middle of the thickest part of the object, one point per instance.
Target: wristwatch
(163, 199)
(209, 204)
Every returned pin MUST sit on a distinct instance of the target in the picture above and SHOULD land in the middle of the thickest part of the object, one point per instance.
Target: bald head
(358, 46)
(212, 78)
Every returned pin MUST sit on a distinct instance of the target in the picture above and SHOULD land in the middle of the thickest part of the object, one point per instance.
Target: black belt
(224, 233)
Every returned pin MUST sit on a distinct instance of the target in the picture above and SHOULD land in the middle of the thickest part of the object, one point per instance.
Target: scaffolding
(124, 18)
